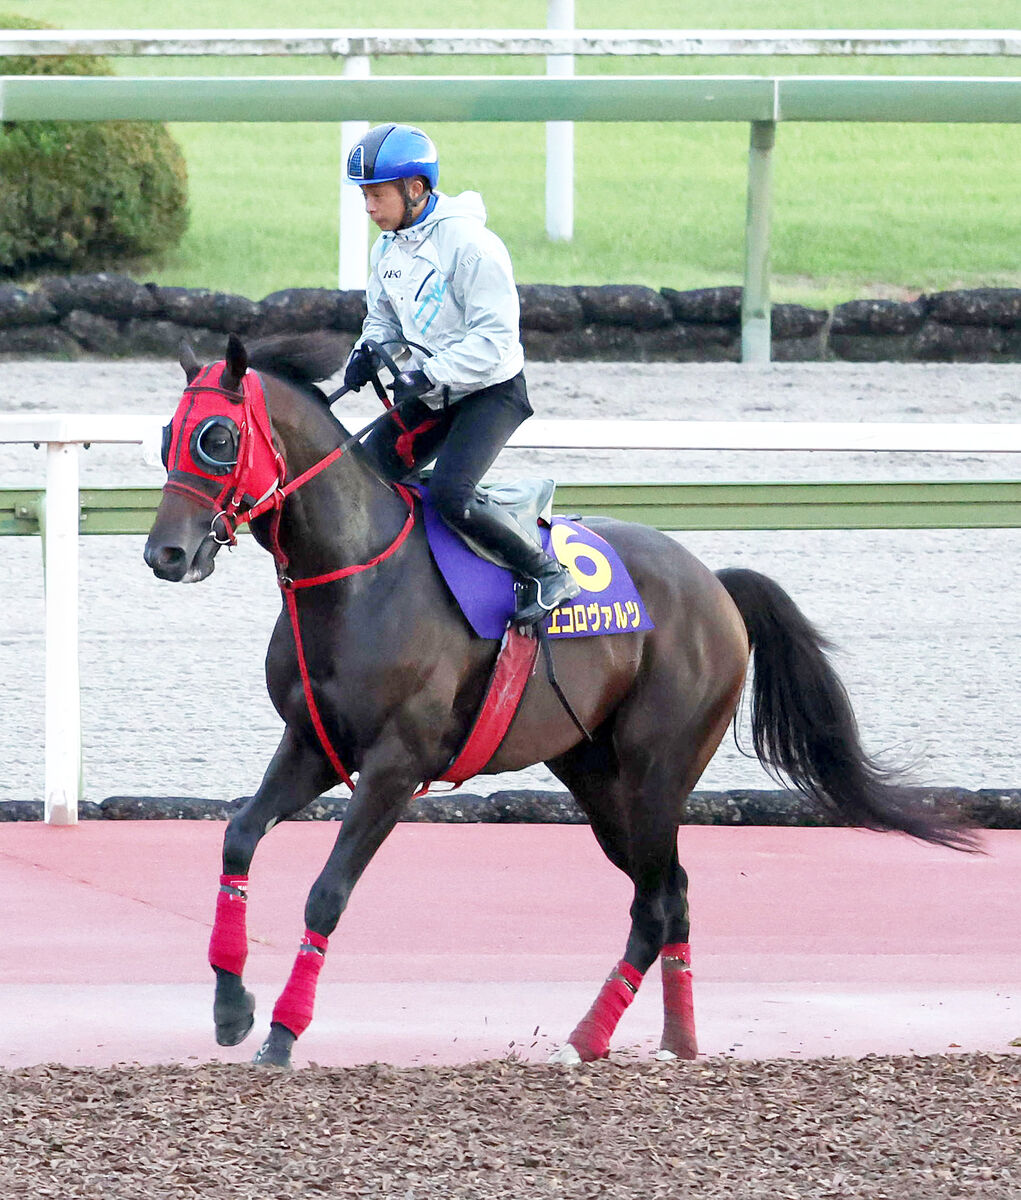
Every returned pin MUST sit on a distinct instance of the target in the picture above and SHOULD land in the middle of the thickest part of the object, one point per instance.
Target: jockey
(441, 286)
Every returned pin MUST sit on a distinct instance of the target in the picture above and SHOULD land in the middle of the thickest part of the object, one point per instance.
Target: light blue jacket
(448, 284)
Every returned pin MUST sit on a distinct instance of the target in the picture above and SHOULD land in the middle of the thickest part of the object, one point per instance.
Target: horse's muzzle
(174, 564)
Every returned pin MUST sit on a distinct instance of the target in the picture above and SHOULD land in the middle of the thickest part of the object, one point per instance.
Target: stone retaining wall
(989, 808)
(113, 316)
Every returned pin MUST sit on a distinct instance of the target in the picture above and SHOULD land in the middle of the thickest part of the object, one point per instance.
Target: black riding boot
(549, 582)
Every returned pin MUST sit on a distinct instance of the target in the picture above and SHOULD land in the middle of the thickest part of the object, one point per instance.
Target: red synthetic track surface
(475, 941)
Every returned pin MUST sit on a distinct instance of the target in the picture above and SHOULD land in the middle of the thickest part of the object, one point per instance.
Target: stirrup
(533, 606)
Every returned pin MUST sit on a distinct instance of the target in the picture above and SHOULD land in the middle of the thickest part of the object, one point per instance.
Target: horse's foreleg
(378, 801)
(295, 776)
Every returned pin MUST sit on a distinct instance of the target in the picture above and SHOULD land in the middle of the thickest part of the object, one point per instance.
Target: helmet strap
(409, 204)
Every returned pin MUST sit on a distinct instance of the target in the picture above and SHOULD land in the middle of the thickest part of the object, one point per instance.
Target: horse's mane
(302, 359)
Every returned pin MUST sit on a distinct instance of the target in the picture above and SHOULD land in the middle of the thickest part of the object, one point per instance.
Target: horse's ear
(187, 359)
(237, 364)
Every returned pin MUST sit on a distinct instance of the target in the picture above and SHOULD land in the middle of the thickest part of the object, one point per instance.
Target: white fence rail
(543, 433)
(662, 43)
(64, 434)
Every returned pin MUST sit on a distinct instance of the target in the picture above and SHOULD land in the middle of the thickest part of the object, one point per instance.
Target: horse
(376, 674)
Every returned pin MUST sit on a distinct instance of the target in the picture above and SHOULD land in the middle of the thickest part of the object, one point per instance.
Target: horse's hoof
(566, 1056)
(275, 1051)
(687, 1053)
(234, 1019)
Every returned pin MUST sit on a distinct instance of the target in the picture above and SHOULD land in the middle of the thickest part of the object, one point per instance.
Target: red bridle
(252, 486)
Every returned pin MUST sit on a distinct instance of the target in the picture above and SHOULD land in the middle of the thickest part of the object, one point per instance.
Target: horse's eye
(168, 434)
(215, 445)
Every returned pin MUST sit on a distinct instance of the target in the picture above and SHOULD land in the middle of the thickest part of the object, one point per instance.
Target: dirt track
(927, 633)
(832, 1129)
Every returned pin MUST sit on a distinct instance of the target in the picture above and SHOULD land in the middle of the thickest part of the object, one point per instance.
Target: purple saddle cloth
(609, 601)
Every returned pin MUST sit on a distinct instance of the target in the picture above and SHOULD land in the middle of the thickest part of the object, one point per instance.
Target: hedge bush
(81, 194)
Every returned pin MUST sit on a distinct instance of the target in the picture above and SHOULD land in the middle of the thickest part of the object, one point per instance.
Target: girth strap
(289, 586)
(310, 700)
(514, 665)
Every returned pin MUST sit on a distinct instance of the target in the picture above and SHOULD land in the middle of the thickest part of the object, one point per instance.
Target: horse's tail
(804, 729)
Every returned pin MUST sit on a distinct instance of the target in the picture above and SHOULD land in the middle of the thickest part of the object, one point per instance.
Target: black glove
(360, 369)
(411, 384)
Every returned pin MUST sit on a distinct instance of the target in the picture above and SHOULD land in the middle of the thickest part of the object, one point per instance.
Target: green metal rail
(762, 101)
(972, 504)
(511, 98)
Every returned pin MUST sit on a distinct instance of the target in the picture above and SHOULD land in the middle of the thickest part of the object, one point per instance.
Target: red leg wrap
(228, 944)
(678, 1007)
(294, 1008)
(592, 1036)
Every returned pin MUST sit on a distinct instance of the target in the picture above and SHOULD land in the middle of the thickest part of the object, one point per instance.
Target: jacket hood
(467, 204)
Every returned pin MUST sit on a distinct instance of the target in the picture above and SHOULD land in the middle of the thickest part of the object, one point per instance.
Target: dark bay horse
(384, 677)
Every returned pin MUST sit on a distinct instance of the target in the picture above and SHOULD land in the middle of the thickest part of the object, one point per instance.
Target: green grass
(858, 209)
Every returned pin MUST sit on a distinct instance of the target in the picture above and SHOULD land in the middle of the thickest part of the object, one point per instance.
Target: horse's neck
(343, 516)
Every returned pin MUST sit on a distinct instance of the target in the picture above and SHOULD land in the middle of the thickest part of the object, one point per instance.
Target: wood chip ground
(896, 1128)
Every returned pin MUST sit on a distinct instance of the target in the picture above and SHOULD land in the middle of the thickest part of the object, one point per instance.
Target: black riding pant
(468, 436)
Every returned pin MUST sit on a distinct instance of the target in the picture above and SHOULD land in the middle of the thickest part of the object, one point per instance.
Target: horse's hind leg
(295, 776)
(592, 772)
(633, 792)
(646, 851)
(678, 1040)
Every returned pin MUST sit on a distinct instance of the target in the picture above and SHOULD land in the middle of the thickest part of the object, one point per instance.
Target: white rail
(64, 433)
(763, 435)
(679, 43)
(543, 433)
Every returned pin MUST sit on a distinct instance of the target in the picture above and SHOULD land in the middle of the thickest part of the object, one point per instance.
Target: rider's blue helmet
(391, 152)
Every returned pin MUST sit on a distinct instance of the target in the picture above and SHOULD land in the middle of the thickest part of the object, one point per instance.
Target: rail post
(353, 249)
(60, 512)
(755, 333)
(560, 139)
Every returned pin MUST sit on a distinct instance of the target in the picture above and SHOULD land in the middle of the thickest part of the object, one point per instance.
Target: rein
(255, 420)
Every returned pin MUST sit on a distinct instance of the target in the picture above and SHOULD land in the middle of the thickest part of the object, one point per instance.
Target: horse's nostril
(163, 557)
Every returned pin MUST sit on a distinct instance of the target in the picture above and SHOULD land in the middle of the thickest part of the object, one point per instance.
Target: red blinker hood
(257, 468)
